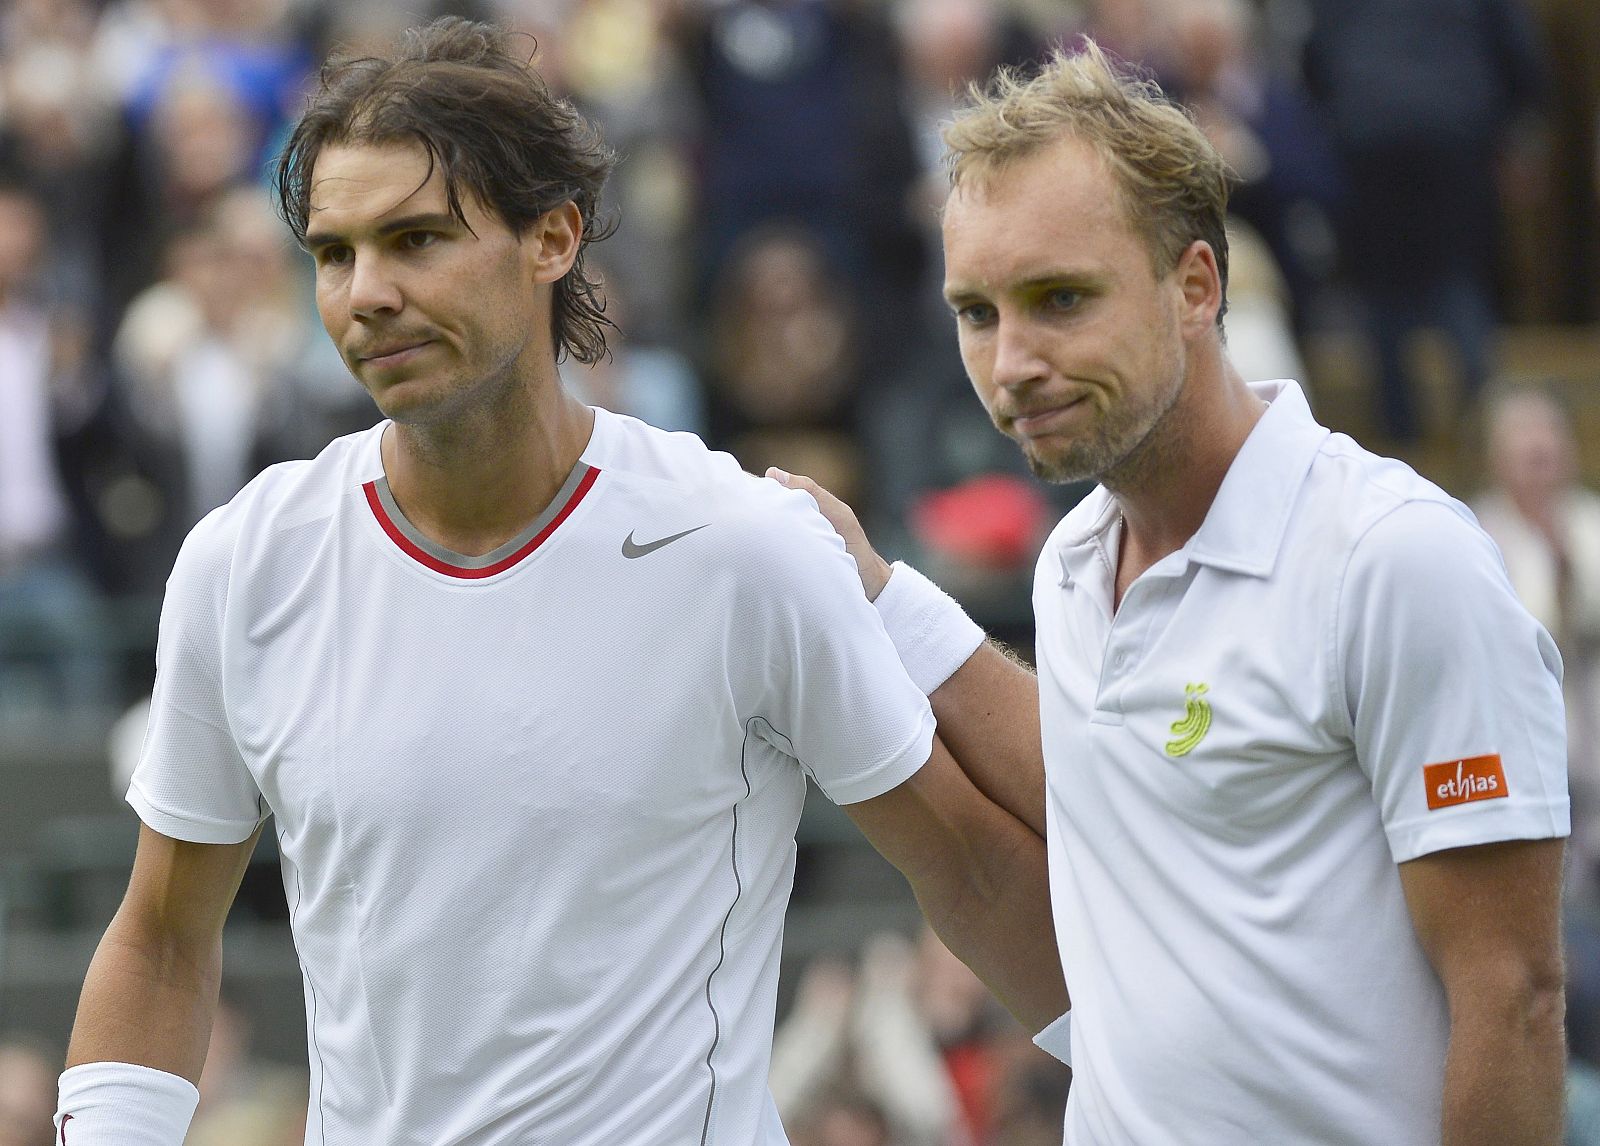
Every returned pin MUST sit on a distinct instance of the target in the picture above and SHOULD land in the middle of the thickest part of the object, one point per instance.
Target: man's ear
(553, 241)
(1200, 280)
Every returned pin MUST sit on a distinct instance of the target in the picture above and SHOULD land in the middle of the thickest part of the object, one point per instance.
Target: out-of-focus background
(1416, 237)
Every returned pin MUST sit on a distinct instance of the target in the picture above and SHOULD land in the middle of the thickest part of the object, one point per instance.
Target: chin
(411, 399)
(1077, 462)
(1056, 472)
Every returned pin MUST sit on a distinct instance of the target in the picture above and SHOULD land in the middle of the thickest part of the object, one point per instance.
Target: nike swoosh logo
(631, 548)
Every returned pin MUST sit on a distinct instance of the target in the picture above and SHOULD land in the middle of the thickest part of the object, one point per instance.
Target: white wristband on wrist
(122, 1104)
(930, 631)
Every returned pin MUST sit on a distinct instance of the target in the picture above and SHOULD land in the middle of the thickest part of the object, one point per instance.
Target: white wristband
(1056, 1039)
(122, 1104)
(932, 634)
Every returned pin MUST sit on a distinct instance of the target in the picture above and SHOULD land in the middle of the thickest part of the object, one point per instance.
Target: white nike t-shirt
(536, 809)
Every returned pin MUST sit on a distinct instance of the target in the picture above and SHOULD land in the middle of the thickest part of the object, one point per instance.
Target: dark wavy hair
(489, 122)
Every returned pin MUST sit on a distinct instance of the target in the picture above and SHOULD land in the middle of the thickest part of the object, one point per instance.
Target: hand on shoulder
(873, 569)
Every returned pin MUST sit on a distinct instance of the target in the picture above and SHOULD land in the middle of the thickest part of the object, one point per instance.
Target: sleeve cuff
(1056, 1039)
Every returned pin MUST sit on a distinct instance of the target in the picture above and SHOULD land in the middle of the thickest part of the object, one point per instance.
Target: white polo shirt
(1332, 677)
(537, 808)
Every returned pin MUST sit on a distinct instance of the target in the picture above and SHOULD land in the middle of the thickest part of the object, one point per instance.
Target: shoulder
(1361, 506)
(1368, 486)
(673, 476)
(1420, 570)
(636, 451)
(285, 496)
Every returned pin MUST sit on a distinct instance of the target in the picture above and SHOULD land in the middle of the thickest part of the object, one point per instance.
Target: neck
(1166, 488)
(473, 484)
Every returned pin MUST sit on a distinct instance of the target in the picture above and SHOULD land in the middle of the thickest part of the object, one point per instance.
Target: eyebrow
(422, 221)
(1050, 280)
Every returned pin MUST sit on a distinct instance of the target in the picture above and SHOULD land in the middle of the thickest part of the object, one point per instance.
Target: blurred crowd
(1405, 168)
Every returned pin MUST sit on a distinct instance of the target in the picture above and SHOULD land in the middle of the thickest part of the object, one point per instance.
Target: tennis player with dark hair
(531, 691)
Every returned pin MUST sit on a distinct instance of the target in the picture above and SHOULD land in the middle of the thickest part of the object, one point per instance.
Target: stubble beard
(476, 406)
(1127, 444)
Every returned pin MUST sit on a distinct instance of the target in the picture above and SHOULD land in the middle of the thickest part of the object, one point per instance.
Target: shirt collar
(1244, 528)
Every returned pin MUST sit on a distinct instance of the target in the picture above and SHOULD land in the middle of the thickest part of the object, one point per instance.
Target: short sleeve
(818, 667)
(191, 783)
(1453, 689)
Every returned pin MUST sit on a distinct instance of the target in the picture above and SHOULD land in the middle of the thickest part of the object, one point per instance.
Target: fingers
(793, 481)
(831, 506)
(839, 515)
(873, 569)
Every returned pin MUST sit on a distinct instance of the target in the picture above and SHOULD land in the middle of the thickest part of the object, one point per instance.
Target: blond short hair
(1173, 182)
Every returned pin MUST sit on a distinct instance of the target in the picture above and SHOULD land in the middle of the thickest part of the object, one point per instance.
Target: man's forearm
(988, 714)
(1505, 1073)
(146, 1004)
(992, 909)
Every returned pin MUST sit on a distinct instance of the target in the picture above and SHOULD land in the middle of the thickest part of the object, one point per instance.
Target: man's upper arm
(181, 891)
(1492, 903)
(192, 781)
(1452, 689)
(921, 825)
(811, 659)
(1489, 916)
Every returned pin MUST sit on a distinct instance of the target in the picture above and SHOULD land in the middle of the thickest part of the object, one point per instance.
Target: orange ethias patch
(1462, 781)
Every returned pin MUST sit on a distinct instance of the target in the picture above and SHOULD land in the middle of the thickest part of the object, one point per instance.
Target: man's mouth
(393, 353)
(1046, 419)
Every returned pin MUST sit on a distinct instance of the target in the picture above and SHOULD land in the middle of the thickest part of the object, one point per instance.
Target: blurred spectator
(58, 126)
(647, 380)
(28, 1072)
(801, 124)
(48, 633)
(1266, 127)
(1030, 1104)
(1548, 529)
(947, 45)
(910, 1050)
(782, 365)
(1261, 339)
(1422, 96)
(1129, 29)
(621, 68)
(243, 1100)
(197, 145)
(209, 354)
(949, 493)
(205, 87)
(247, 48)
(855, 1046)
(844, 1118)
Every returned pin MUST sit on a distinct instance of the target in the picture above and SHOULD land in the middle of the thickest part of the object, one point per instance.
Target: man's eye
(975, 314)
(1064, 299)
(418, 240)
(333, 255)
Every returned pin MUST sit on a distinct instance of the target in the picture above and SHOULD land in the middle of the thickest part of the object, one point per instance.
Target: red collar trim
(439, 565)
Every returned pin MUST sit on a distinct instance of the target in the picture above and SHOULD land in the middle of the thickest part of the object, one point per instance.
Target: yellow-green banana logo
(1196, 722)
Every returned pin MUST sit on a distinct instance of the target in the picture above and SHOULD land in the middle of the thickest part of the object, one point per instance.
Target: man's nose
(373, 289)
(1018, 358)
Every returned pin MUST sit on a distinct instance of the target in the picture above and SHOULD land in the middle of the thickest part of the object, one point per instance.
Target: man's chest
(1208, 695)
(556, 695)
